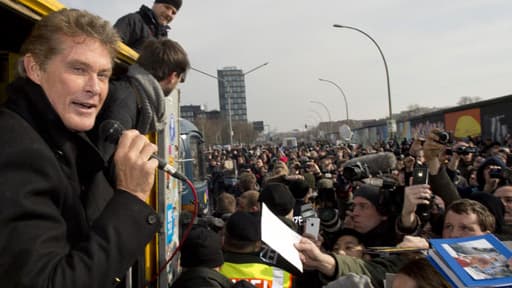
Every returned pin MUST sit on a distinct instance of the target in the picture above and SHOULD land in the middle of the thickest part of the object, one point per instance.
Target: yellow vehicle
(21, 16)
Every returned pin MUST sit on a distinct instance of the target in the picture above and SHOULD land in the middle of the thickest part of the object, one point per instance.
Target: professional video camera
(369, 165)
(462, 150)
(356, 171)
(391, 194)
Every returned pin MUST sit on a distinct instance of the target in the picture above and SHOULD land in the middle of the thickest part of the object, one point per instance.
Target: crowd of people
(467, 192)
(74, 205)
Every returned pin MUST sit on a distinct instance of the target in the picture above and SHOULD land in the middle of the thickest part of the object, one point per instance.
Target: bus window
(196, 154)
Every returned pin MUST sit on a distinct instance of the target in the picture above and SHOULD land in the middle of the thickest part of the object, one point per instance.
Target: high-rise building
(232, 89)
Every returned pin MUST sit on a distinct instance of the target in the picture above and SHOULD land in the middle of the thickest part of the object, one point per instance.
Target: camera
(356, 171)
(466, 150)
(307, 211)
(501, 173)
(424, 210)
(329, 219)
(443, 137)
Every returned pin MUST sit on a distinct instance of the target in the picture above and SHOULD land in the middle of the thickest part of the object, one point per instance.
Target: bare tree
(214, 130)
(244, 132)
(468, 100)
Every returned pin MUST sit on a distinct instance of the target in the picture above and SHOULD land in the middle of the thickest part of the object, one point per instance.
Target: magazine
(477, 261)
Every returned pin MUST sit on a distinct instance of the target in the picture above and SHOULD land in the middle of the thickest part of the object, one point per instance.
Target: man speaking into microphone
(63, 225)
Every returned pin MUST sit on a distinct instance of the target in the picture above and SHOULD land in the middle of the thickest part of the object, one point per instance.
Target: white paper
(280, 237)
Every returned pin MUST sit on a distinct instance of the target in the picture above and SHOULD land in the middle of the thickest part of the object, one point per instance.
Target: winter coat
(62, 223)
(137, 27)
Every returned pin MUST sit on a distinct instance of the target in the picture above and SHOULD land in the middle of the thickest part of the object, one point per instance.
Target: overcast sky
(437, 52)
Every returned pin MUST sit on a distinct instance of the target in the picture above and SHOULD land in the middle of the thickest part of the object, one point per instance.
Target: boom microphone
(382, 162)
(110, 131)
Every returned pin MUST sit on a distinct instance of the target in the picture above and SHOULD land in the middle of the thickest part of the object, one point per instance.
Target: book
(477, 261)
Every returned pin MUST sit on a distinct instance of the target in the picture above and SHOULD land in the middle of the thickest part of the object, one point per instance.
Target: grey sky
(437, 51)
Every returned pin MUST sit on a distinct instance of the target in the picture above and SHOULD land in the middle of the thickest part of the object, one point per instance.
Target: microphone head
(377, 163)
(110, 131)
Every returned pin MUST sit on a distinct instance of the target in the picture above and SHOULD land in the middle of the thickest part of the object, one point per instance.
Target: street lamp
(229, 94)
(385, 66)
(342, 93)
(328, 113)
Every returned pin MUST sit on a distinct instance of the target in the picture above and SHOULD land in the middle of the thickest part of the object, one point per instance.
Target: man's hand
(490, 183)
(413, 242)
(413, 196)
(314, 259)
(135, 171)
(431, 150)
(409, 162)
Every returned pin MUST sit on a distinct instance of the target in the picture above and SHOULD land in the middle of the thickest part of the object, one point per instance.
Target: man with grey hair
(63, 224)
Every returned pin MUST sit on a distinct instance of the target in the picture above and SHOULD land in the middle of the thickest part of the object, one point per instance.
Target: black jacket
(136, 28)
(62, 224)
(201, 277)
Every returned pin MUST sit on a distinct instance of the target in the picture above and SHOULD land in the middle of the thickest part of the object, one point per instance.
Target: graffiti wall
(421, 126)
(403, 130)
(497, 121)
(464, 123)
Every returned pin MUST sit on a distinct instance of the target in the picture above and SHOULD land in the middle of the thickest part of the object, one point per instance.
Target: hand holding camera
(418, 198)
(434, 145)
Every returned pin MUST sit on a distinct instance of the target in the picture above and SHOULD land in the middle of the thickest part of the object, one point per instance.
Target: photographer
(371, 216)
(461, 159)
(439, 184)
(490, 175)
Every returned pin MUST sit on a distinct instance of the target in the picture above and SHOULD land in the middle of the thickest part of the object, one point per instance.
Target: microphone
(110, 131)
(377, 163)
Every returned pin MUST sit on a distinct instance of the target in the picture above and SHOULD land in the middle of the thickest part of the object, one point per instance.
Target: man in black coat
(63, 225)
(147, 23)
(201, 259)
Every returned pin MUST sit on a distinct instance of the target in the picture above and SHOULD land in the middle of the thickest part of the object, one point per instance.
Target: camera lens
(443, 137)
(329, 219)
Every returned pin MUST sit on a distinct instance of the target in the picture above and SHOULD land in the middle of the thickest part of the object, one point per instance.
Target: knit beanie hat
(299, 188)
(244, 226)
(370, 193)
(175, 3)
(202, 248)
(278, 198)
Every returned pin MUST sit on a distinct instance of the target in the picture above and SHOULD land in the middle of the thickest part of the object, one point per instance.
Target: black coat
(62, 225)
(136, 28)
(201, 277)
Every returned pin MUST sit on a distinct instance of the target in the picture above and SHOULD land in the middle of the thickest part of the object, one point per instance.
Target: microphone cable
(185, 234)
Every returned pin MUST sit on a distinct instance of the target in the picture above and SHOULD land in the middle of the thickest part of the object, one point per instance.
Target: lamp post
(391, 122)
(228, 95)
(319, 117)
(341, 91)
(328, 113)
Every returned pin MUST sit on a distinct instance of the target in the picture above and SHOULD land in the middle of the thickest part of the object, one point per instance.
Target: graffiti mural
(464, 123)
(421, 126)
(497, 120)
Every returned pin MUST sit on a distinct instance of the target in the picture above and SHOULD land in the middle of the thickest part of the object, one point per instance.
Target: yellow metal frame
(36, 9)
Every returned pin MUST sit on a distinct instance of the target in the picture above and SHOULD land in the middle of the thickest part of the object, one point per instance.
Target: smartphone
(312, 226)
(307, 211)
(420, 175)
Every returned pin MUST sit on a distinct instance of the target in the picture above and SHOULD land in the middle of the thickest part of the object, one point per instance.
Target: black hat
(278, 198)
(299, 188)
(244, 226)
(370, 193)
(202, 248)
(175, 3)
